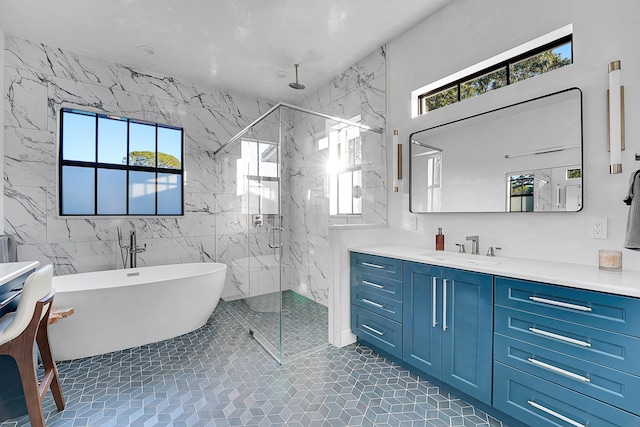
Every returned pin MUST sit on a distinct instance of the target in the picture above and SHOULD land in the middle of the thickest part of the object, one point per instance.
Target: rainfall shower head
(296, 85)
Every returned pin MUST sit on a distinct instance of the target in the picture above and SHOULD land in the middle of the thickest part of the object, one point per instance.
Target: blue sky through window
(97, 179)
(170, 142)
(79, 132)
(112, 137)
(564, 51)
(142, 137)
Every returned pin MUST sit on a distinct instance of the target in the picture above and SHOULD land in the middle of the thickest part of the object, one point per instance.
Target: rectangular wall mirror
(525, 157)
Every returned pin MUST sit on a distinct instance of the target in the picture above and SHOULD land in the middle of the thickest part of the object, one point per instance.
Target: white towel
(632, 238)
(8, 250)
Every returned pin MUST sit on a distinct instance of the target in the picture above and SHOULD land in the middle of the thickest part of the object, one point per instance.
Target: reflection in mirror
(525, 157)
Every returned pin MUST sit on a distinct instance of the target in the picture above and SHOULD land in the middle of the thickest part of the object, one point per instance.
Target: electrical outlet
(598, 228)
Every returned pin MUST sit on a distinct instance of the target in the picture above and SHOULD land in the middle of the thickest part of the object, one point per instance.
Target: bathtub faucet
(134, 250)
(130, 251)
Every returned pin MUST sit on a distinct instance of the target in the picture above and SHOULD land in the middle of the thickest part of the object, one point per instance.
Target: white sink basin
(460, 259)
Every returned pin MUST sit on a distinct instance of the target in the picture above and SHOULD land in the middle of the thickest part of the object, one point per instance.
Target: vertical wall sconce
(616, 118)
(397, 164)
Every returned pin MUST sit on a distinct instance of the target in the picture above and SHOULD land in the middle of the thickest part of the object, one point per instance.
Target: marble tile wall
(358, 91)
(241, 245)
(39, 79)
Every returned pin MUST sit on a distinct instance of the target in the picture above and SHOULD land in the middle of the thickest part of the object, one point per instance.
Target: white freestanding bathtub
(119, 309)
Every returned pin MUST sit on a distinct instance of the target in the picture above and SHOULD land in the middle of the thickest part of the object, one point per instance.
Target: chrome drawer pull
(374, 285)
(434, 315)
(560, 304)
(11, 298)
(559, 370)
(366, 264)
(555, 414)
(560, 337)
(375, 304)
(375, 331)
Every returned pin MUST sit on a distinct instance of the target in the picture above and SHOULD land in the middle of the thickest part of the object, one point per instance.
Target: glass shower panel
(282, 179)
(259, 183)
(307, 142)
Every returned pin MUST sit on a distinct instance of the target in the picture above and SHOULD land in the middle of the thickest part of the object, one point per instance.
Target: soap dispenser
(439, 240)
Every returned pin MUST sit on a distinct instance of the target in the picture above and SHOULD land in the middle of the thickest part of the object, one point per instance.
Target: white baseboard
(347, 338)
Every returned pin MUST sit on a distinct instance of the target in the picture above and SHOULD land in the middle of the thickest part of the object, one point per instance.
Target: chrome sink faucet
(475, 244)
(491, 251)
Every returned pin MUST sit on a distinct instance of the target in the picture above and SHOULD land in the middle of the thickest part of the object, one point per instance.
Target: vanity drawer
(377, 330)
(382, 286)
(373, 301)
(377, 265)
(538, 402)
(605, 384)
(595, 345)
(610, 312)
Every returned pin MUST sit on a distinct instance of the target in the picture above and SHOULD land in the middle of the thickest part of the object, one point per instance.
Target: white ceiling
(236, 45)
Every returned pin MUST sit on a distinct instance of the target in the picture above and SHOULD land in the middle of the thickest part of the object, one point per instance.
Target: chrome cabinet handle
(559, 370)
(367, 264)
(11, 298)
(444, 304)
(560, 337)
(434, 315)
(555, 414)
(375, 304)
(560, 304)
(374, 285)
(375, 331)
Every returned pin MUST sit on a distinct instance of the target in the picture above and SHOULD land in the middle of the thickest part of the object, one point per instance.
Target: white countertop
(11, 270)
(625, 282)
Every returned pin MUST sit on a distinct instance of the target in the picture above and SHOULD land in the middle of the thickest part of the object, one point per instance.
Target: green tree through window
(148, 158)
(116, 166)
(538, 61)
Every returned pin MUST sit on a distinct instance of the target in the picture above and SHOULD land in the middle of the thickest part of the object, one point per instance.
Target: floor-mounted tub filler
(119, 309)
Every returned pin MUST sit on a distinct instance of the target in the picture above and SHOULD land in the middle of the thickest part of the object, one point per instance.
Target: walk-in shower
(279, 181)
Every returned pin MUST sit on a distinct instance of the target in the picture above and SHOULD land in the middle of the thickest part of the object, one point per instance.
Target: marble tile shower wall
(237, 237)
(358, 91)
(38, 80)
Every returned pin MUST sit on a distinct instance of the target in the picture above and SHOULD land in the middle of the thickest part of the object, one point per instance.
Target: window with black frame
(521, 67)
(521, 193)
(113, 166)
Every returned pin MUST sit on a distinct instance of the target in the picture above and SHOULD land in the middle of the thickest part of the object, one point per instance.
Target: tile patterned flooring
(219, 376)
(304, 323)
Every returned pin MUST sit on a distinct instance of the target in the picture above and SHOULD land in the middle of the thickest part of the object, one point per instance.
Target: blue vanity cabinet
(422, 321)
(448, 326)
(376, 301)
(566, 356)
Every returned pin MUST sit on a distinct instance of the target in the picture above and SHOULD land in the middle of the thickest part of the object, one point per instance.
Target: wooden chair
(18, 333)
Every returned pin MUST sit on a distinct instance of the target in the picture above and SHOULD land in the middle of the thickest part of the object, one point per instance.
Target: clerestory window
(502, 70)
